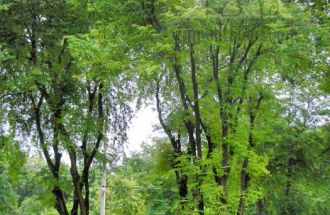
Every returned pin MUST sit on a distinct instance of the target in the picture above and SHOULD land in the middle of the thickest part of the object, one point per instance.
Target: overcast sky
(141, 129)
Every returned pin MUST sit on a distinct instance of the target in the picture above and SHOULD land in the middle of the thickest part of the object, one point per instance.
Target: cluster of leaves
(240, 88)
(25, 183)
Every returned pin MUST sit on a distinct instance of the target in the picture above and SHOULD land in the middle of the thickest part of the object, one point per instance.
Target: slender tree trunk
(60, 202)
(103, 191)
(214, 55)
(76, 181)
(86, 182)
(224, 121)
(261, 207)
(200, 205)
(54, 168)
(245, 177)
(181, 179)
(288, 208)
(198, 130)
(182, 182)
(103, 184)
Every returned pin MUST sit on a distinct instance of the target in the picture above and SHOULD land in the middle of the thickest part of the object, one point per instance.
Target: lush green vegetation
(241, 89)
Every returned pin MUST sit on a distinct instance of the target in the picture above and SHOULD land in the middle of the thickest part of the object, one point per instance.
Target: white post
(103, 189)
(103, 185)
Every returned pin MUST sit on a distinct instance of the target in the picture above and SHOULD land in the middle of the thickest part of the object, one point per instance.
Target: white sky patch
(141, 129)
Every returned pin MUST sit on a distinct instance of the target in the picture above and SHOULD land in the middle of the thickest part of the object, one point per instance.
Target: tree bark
(288, 208)
(54, 169)
(223, 118)
(184, 98)
(181, 179)
(198, 130)
(245, 177)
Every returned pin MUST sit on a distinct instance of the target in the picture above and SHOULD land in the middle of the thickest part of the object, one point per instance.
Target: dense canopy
(240, 88)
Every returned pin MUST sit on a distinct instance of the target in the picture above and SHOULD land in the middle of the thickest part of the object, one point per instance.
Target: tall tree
(219, 91)
(55, 94)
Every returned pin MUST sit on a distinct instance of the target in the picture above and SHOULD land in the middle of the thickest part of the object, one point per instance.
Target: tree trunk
(245, 178)
(288, 208)
(103, 191)
(60, 203)
(261, 207)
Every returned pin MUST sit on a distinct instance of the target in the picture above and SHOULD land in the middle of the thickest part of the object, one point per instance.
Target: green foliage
(125, 197)
(149, 177)
(11, 161)
(25, 184)
(241, 90)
